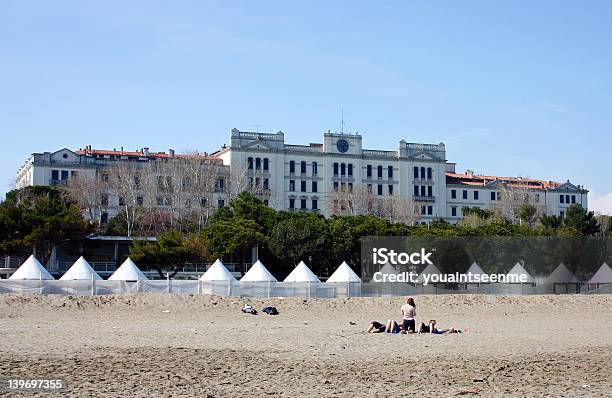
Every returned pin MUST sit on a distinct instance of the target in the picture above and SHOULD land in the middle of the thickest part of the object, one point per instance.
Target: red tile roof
(150, 155)
(481, 180)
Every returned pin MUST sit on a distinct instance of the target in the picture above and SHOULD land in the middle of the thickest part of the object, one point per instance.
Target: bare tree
(90, 192)
(512, 197)
(128, 181)
(200, 180)
(351, 201)
(399, 209)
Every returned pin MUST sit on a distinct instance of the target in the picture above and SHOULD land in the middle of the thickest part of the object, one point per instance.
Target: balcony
(424, 198)
(53, 182)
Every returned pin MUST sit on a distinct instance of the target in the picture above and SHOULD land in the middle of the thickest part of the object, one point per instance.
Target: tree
(527, 214)
(130, 182)
(298, 237)
(88, 191)
(38, 218)
(581, 220)
(551, 222)
(231, 237)
(169, 252)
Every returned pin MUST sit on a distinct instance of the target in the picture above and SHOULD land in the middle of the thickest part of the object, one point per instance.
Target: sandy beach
(185, 346)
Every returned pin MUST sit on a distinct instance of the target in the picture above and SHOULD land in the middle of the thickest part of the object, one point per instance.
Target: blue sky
(520, 88)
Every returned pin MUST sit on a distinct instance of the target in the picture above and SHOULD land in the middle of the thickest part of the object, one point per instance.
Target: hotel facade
(314, 177)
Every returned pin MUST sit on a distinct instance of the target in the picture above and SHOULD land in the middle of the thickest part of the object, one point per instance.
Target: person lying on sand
(431, 328)
(390, 327)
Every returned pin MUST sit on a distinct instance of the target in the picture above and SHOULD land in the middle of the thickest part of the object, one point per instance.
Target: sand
(185, 346)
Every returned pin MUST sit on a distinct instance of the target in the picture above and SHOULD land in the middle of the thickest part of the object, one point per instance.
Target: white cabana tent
(431, 269)
(128, 271)
(301, 273)
(344, 273)
(80, 270)
(475, 270)
(258, 273)
(388, 269)
(32, 269)
(602, 276)
(561, 274)
(518, 270)
(217, 272)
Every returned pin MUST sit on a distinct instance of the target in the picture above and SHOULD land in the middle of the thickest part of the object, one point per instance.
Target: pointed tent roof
(603, 275)
(344, 273)
(32, 269)
(301, 273)
(217, 272)
(80, 270)
(258, 273)
(562, 274)
(128, 271)
(388, 269)
(519, 270)
(431, 269)
(475, 269)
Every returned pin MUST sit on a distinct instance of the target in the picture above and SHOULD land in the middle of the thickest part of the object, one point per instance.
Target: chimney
(171, 152)
(145, 150)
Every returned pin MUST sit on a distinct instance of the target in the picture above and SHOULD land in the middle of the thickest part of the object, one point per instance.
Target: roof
(258, 273)
(217, 272)
(301, 273)
(142, 154)
(128, 271)
(80, 270)
(562, 274)
(31, 269)
(471, 179)
(519, 270)
(603, 275)
(344, 273)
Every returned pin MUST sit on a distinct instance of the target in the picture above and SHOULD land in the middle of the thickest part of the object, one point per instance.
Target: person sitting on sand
(431, 328)
(409, 315)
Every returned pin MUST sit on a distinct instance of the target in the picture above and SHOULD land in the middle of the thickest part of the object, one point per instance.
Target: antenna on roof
(341, 120)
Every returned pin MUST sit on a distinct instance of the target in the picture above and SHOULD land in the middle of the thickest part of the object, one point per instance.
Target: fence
(280, 289)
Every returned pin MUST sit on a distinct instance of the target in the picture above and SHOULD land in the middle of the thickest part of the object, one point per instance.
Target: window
(104, 218)
(303, 204)
(203, 202)
(266, 202)
(314, 186)
(266, 164)
(369, 170)
(121, 201)
(416, 190)
(380, 190)
(350, 169)
(454, 211)
(422, 173)
(73, 174)
(315, 204)
(140, 200)
(220, 183)
(104, 200)
(561, 199)
(335, 185)
(390, 189)
(314, 168)
(342, 169)
(291, 166)
(423, 210)
(55, 174)
(567, 199)
(369, 188)
(562, 214)
(335, 169)
(430, 191)
(220, 203)
(465, 194)
(423, 190)
(380, 168)
(292, 204)
(429, 176)
(493, 195)
(350, 186)
(65, 175)
(429, 210)
(258, 164)
(303, 167)
(303, 186)
(475, 195)
(266, 184)
(291, 185)
(453, 194)
(573, 198)
(416, 172)
(390, 172)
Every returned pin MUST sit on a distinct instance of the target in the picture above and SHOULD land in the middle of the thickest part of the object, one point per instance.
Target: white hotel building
(305, 177)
